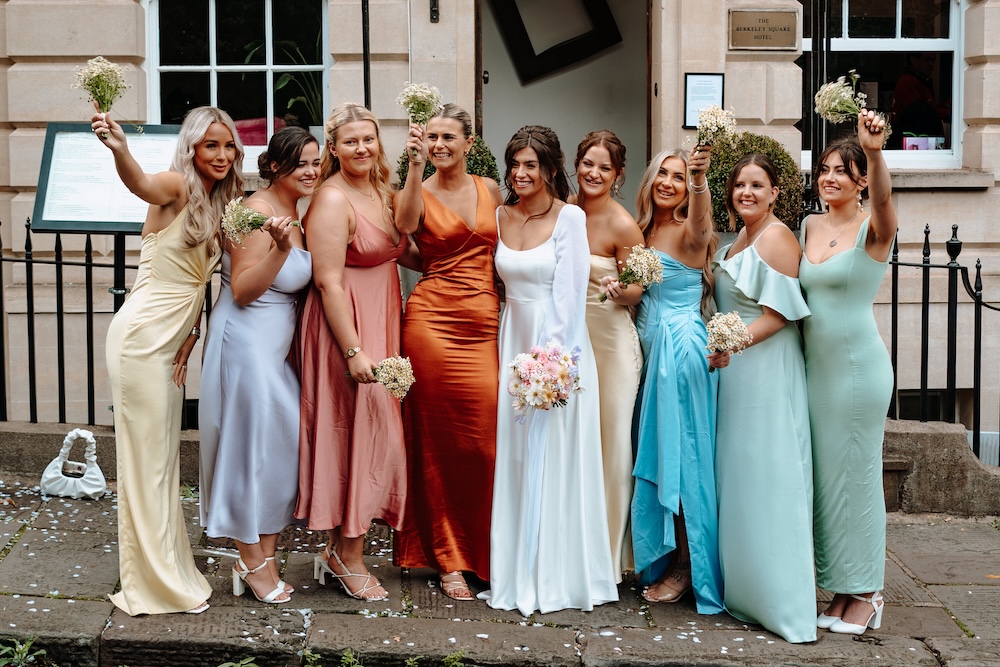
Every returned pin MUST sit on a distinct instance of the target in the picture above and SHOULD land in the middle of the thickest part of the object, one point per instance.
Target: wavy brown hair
(551, 161)
(616, 149)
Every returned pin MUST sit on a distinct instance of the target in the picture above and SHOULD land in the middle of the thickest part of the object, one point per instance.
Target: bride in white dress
(549, 545)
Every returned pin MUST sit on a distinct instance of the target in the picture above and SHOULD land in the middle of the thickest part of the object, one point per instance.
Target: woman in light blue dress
(249, 406)
(763, 450)
(674, 512)
(845, 254)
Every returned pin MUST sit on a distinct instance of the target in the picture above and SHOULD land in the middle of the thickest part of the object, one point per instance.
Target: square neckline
(551, 234)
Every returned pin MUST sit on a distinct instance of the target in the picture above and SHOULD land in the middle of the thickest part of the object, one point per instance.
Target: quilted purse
(75, 479)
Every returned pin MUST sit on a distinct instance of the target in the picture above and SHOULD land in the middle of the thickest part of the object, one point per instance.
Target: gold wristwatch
(351, 351)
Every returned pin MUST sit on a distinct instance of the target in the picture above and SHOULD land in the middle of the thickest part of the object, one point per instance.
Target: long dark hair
(853, 156)
(284, 150)
(551, 160)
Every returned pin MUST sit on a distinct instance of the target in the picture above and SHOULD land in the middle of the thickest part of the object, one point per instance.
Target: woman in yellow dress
(148, 344)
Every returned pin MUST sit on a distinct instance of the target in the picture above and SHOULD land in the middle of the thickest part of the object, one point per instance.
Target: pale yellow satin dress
(619, 363)
(158, 573)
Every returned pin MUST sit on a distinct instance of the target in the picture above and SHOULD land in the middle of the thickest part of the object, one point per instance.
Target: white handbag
(73, 479)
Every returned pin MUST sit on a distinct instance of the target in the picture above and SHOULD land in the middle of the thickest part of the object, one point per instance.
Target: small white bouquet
(543, 378)
(642, 268)
(714, 122)
(840, 101)
(421, 102)
(727, 332)
(396, 375)
(239, 220)
(104, 82)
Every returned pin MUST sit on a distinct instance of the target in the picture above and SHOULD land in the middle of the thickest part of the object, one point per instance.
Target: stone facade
(43, 41)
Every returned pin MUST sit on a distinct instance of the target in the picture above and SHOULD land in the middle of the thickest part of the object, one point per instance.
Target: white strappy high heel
(288, 588)
(321, 566)
(240, 573)
(874, 621)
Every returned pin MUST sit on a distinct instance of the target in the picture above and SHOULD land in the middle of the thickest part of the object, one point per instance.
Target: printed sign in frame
(701, 90)
(79, 190)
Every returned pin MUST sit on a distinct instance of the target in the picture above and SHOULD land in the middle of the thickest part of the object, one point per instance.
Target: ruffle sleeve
(768, 287)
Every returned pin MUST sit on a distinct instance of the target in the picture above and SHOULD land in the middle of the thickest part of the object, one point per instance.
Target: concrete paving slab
(387, 641)
(84, 515)
(427, 600)
(725, 648)
(628, 612)
(331, 597)
(950, 537)
(966, 652)
(918, 622)
(960, 568)
(977, 607)
(68, 630)
(901, 589)
(61, 563)
(682, 615)
(218, 635)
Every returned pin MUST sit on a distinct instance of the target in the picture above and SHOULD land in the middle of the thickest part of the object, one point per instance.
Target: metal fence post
(954, 247)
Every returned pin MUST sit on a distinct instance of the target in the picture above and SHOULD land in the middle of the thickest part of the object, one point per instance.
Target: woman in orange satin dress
(450, 335)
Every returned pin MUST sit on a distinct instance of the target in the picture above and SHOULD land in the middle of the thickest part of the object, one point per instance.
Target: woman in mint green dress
(675, 530)
(848, 373)
(763, 450)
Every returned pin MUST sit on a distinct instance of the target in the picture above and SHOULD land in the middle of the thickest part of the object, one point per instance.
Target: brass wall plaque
(763, 29)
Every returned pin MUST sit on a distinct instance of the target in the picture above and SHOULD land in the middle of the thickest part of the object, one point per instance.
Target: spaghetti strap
(862, 237)
(778, 222)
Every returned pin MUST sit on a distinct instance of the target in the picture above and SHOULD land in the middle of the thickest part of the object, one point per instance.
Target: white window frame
(268, 67)
(900, 159)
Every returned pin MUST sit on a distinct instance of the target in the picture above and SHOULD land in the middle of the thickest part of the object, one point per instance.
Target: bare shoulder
(329, 204)
(494, 189)
(779, 248)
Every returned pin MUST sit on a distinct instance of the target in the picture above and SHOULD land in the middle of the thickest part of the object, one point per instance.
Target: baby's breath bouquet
(840, 101)
(104, 82)
(713, 123)
(727, 332)
(642, 268)
(239, 220)
(396, 375)
(421, 102)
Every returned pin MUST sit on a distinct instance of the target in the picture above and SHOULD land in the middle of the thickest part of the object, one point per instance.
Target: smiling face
(595, 173)
(447, 144)
(670, 184)
(836, 181)
(302, 180)
(356, 146)
(525, 173)
(753, 193)
(214, 154)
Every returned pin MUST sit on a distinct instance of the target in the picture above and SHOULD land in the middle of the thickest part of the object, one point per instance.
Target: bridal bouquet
(714, 122)
(543, 378)
(239, 220)
(396, 375)
(642, 268)
(726, 331)
(840, 101)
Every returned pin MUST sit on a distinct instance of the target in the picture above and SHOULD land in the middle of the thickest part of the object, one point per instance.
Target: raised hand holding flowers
(421, 102)
(104, 82)
(714, 122)
(840, 101)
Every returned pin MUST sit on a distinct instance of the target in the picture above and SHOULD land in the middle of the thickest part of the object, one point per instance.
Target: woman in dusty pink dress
(352, 461)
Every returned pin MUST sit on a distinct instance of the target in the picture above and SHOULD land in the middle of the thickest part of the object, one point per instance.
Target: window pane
(834, 18)
(183, 35)
(921, 101)
(298, 97)
(872, 18)
(244, 95)
(298, 29)
(926, 18)
(240, 31)
(180, 92)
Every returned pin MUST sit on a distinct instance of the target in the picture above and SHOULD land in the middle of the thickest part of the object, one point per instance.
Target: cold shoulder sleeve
(768, 287)
(568, 308)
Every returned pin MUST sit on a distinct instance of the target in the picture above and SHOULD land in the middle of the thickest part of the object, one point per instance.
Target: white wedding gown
(549, 545)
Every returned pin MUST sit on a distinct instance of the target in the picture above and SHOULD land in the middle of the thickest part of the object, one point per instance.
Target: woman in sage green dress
(763, 450)
(848, 374)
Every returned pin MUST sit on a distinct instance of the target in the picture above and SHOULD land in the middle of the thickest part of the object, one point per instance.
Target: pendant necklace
(829, 224)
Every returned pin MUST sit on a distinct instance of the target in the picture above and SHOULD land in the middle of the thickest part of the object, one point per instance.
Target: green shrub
(727, 151)
(479, 162)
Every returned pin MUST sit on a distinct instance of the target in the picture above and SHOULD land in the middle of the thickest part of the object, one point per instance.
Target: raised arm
(256, 263)
(408, 203)
(163, 189)
(698, 230)
(883, 224)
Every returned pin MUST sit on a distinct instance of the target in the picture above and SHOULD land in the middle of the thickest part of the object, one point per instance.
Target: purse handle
(89, 454)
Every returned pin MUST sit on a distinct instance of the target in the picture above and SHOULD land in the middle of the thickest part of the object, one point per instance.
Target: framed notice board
(78, 187)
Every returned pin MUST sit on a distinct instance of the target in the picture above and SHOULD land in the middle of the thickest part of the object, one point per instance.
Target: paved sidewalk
(59, 560)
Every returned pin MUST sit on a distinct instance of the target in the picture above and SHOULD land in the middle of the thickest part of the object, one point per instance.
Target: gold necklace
(368, 194)
(847, 224)
(538, 215)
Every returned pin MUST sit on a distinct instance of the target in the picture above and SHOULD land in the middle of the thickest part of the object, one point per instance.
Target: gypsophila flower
(103, 80)
(727, 332)
(642, 268)
(239, 221)
(840, 101)
(420, 100)
(713, 123)
(543, 378)
(396, 375)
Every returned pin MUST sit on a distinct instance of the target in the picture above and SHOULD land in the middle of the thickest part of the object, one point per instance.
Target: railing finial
(953, 245)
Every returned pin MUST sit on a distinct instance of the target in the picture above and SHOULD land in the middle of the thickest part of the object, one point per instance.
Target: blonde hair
(349, 112)
(644, 216)
(205, 209)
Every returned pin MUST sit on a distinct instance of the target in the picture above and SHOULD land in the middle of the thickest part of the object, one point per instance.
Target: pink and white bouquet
(727, 332)
(543, 378)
